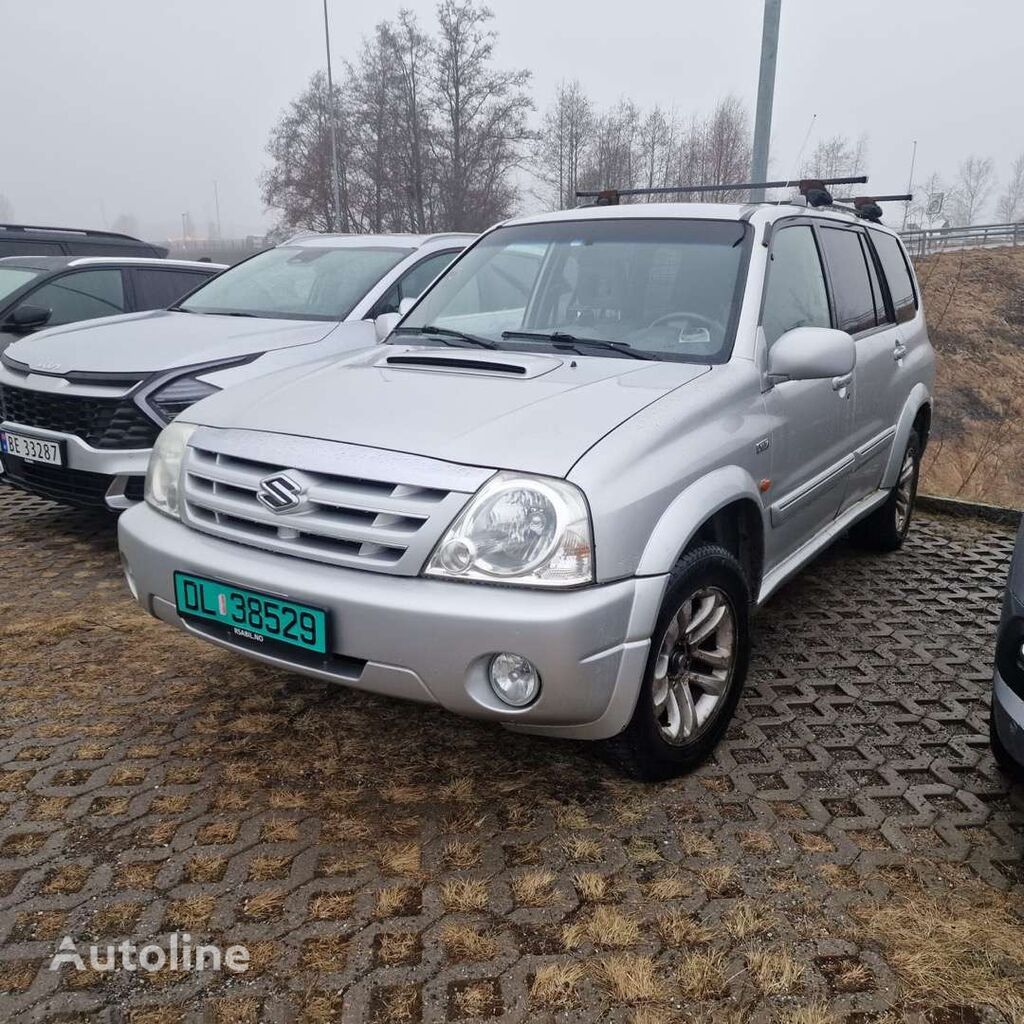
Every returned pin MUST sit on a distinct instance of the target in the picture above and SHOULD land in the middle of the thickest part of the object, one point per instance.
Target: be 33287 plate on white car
(31, 448)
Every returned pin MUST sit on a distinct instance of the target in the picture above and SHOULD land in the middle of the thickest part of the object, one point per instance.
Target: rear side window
(158, 289)
(901, 285)
(795, 295)
(82, 295)
(881, 313)
(29, 247)
(855, 304)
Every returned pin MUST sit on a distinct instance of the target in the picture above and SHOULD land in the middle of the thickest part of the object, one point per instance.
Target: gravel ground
(852, 853)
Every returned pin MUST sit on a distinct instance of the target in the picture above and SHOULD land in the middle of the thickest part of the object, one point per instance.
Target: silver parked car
(503, 512)
(1007, 722)
(80, 406)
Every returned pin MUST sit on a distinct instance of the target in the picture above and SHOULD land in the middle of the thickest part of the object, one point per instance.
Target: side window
(855, 305)
(901, 285)
(81, 295)
(413, 284)
(158, 289)
(29, 247)
(795, 295)
(881, 312)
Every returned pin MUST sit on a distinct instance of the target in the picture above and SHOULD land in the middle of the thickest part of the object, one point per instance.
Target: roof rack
(88, 232)
(813, 189)
(867, 208)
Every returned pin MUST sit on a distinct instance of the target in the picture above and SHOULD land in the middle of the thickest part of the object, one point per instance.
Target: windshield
(658, 288)
(296, 282)
(13, 278)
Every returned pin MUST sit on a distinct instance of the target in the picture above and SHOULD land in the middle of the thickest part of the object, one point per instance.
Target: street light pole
(335, 186)
(765, 97)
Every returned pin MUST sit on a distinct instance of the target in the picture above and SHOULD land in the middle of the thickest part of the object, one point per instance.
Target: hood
(161, 339)
(508, 410)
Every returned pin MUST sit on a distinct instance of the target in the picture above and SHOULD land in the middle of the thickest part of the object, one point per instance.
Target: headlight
(163, 478)
(175, 397)
(519, 529)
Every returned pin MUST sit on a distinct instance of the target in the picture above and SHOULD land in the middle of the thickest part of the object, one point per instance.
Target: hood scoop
(505, 364)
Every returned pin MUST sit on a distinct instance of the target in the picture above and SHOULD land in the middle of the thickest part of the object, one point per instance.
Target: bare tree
(566, 133)
(481, 119)
(837, 157)
(299, 181)
(6, 209)
(1010, 207)
(716, 150)
(614, 159)
(974, 184)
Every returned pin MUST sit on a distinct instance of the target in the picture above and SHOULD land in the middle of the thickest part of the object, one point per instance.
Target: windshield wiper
(447, 332)
(562, 340)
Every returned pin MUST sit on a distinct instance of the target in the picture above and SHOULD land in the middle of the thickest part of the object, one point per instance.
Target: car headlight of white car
(519, 529)
(163, 477)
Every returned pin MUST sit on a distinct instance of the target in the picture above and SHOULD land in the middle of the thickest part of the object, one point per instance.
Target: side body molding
(690, 509)
(919, 396)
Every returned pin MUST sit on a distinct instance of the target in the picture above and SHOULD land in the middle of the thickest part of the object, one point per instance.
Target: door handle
(839, 383)
(899, 351)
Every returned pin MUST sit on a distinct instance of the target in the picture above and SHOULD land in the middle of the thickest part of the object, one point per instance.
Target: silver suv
(81, 405)
(502, 512)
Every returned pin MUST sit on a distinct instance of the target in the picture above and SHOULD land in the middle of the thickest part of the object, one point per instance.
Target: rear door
(863, 310)
(811, 420)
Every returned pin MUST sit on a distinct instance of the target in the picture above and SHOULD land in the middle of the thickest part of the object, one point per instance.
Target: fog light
(514, 679)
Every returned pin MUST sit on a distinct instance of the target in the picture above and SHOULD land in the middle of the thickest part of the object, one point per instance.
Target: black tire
(1003, 757)
(887, 527)
(642, 750)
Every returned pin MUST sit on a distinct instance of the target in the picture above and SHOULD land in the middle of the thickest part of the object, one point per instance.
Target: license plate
(250, 615)
(34, 449)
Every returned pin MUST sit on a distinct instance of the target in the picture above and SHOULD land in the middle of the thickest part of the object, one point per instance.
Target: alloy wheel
(905, 491)
(695, 665)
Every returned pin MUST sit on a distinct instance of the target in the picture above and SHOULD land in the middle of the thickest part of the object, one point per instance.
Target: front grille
(70, 486)
(111, 423)
(384, 526)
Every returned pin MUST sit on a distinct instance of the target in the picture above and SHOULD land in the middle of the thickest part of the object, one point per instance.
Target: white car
(81, 405)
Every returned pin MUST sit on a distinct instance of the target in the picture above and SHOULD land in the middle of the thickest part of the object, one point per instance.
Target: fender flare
(919, 397)
(689, 510)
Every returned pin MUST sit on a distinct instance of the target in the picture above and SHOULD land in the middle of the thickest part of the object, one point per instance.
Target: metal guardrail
(923, 241)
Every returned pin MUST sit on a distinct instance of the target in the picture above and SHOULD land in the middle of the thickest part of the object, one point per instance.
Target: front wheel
(695, 670)
(887, 527)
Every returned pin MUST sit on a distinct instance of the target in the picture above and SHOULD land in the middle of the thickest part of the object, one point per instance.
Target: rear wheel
(887, 527)
(695, 670)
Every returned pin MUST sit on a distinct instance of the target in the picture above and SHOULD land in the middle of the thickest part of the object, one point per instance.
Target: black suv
(45, 291)
(28, 240)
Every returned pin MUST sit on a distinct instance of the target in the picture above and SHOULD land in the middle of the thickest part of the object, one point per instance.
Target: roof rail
(813, 188)
(88, 232)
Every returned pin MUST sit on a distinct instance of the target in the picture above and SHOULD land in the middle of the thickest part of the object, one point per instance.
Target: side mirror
(811, 353)
(28, 318)
(406, 304)
(385, 324)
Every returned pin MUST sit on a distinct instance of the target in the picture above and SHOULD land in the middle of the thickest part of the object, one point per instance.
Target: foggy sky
(137, 106)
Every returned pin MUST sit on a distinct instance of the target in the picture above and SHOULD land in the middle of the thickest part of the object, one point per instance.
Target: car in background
(1007, 722)
(82, 405)
(28, 240)
(49, 291)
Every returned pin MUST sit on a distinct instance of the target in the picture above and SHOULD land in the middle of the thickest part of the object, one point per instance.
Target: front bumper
(420, 639)
(1008, 718)
(92, 477)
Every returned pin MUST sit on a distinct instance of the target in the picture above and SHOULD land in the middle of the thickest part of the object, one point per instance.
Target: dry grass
(464, 895)
(963, 948)
(606, 927)
(191, 914)
(775, 970)
(670, 887)
(330, 906)
(264, 905)
(747, 919)
(718, 880)
(68, 879)
(325, 954)
(475, 1000)
(591, 886)
(393, 901)
(464, 942)
(632, 979)
(462, 855)
(266, 868)
(681, 929)
(401, 859)
(696, 844)
(812, 1013)
(581, 848)
(556, 986)
(206, 869)
(244, 1010)
(116, 919)
(399, 1005)
(535, 888)
(701, 975)
(397, 947)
